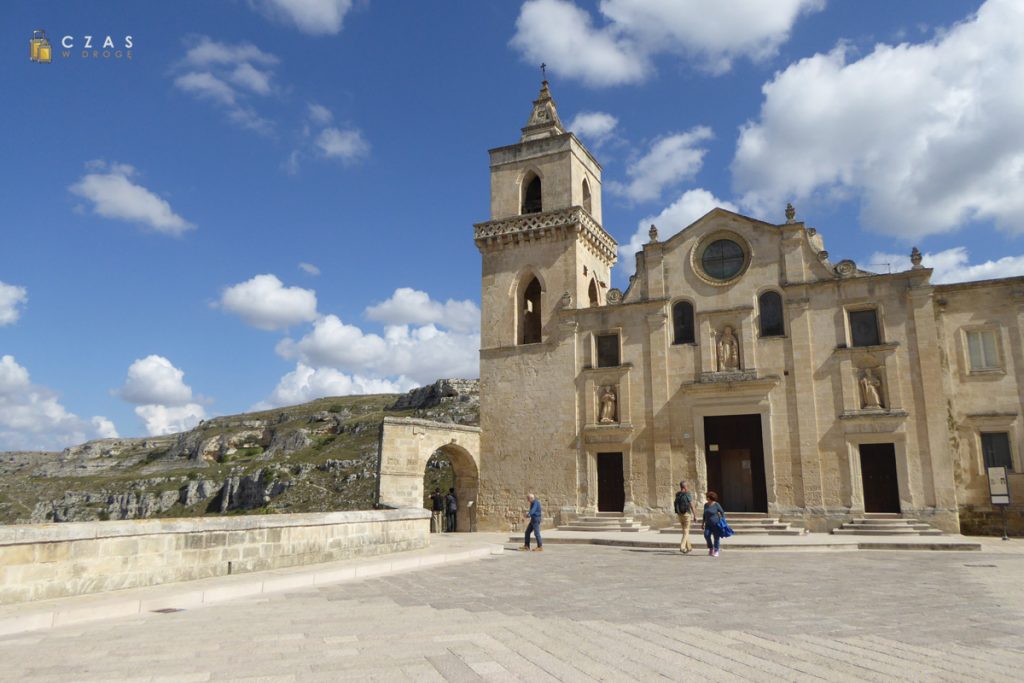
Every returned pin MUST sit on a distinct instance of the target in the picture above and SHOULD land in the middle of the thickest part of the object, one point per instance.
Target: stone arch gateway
(406, 445)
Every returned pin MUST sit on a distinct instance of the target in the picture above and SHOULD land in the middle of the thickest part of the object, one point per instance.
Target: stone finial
(915, 258)
(566, 299)
(653, 233)
(790, 213)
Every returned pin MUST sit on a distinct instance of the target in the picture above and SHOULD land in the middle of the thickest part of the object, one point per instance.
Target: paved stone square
(583, 613)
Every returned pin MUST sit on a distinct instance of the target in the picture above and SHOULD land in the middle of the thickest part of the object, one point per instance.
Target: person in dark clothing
(713, 513)
(437, 510)
(684, 511)
(535, 517)
(452, 506)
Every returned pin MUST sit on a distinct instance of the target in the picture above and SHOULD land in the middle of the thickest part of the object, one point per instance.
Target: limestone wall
(43, 561)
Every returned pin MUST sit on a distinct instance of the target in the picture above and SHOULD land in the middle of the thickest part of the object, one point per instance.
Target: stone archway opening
(466, 482)
(413, 454)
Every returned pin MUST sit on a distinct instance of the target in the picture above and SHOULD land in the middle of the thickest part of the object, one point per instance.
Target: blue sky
(273, 200)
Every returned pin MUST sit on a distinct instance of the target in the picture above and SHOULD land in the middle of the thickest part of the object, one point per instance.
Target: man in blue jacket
(534, 515)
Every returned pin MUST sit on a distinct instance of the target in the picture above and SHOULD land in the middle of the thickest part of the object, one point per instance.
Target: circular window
(722, 259)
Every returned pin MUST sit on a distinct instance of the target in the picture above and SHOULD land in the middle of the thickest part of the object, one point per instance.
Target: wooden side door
(611, 491)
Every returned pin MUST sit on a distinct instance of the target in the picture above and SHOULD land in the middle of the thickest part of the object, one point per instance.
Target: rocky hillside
(313, 457)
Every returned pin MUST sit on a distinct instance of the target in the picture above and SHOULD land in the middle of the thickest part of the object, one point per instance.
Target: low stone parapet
(41, 561)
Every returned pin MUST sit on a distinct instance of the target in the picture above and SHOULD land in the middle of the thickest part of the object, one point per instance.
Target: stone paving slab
(582, 613)
(811, 541)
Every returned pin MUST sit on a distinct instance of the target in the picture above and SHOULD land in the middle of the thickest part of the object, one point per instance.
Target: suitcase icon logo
(39, 48)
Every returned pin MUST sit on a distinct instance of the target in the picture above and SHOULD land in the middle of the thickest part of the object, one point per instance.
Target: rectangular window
(607, 350)
(864, 328)
(981, 346)
(995, 447)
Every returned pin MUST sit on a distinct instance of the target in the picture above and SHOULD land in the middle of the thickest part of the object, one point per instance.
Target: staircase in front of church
(886, 524)
(748, 523)
(604, 521)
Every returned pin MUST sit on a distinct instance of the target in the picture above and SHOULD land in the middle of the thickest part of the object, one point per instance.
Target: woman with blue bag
(714, 524)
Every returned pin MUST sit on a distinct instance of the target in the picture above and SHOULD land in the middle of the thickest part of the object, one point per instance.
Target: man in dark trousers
(451, 505)
(684, 511)
(535, 516)
(437, 508)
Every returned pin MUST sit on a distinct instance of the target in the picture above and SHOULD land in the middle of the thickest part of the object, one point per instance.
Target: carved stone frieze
(558, 224)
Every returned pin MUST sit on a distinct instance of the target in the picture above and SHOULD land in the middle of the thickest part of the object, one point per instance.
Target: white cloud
(227, 75)
(248, 76)
(205, 84)
(423, 354)
(265, 303)
(204, 51)
(559, 32)
(714, 32)
(952, 265)
(620, 51)
(154, 379)
(670, 160)
(347, 145)
(160, 420)
(410, 306)
(690, 206)
(306, 384)
(11, 296)
(309, 268)
(320, 114)
(163, 400)
(926, 135)
(315, 17)
(593, 126)
(114, 195)
(32, 417)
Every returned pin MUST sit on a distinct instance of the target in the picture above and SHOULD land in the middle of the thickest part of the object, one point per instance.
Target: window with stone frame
(608, 350)
(864, 328)
(982, 350)
(769, 311)
(530, 311)
(532, 195)
(682, 323)
(995, 449)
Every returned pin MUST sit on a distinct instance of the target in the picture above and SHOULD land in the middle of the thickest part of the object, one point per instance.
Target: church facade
(741, 358)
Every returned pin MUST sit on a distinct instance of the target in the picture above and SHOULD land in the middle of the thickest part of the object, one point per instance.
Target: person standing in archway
(452, 506)
(437, 509)
(535, 516)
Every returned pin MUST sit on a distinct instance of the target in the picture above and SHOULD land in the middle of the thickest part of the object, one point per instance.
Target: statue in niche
(608, 401)
(728, 351)
(870, 390)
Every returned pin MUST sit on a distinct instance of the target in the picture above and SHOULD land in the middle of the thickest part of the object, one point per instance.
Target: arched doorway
(408, 445)
(438, 478)
(464, 479)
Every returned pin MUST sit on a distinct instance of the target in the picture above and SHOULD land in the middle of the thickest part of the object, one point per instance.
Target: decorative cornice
(560, 224)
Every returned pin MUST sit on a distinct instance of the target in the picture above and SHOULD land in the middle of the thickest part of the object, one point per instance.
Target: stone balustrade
(41, 561)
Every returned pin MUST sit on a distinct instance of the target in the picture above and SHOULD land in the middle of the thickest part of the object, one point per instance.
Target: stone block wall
(44, 561)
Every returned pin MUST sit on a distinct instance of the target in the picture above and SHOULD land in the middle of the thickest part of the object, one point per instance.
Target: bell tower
(545, 258)
(544, 248)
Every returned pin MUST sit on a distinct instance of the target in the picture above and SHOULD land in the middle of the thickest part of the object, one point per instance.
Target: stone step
(882, 527)
(625, 529)
(741, 515)
(886, 524)
(887, 532)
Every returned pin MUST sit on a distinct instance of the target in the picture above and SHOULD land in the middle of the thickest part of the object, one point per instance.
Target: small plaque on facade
(998, 487)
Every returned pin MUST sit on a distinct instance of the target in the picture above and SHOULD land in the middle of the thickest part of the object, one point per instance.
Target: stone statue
(608, 401)
(869, 390)
(728, 351)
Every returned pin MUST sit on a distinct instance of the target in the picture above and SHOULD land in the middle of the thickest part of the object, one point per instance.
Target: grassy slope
(347, 488)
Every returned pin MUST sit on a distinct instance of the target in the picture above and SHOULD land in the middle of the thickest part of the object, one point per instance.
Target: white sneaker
(715, 554)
